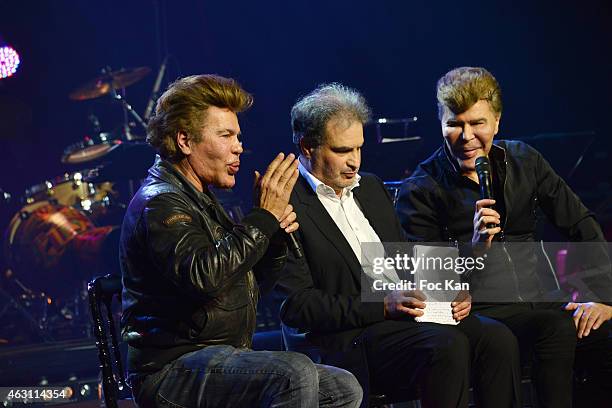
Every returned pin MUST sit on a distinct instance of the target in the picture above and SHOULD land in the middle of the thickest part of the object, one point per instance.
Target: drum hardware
(90, 148)
(127, 108)
(24, 305)
(74, 190)
(5, 197)
(129, 161)
(66, 229)
(155, 90)
(109, 80)
(51, 251)
(109, 83)
(94, 147)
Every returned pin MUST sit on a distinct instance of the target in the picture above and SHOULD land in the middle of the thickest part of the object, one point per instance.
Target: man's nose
(238, 149)
(354, 160)
(467, 134)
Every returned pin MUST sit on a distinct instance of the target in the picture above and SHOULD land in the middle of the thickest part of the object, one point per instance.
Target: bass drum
(53, 248)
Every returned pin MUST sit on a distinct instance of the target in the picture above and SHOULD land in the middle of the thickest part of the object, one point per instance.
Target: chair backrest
(101, 292)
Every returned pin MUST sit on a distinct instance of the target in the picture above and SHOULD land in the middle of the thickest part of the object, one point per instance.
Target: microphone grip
(483, 170)
(294, 245)
(486, 192)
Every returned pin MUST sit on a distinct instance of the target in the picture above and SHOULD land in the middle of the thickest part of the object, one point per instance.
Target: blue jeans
(224, 376)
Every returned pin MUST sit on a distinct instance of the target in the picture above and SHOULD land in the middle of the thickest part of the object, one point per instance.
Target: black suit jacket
(323, 289)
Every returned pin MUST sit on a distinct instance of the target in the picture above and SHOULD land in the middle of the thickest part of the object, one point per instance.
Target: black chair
(101, 292)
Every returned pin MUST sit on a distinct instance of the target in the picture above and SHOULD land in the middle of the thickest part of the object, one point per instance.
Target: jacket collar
(165, 171)
(450, 167)
(319, 187)
(322, 220)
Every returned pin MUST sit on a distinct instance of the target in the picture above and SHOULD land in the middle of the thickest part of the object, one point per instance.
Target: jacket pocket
(235, 298)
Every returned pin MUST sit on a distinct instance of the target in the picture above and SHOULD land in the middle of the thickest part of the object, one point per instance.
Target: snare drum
(72, 190)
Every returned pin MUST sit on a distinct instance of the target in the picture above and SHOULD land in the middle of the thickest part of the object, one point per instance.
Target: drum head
(90, 148)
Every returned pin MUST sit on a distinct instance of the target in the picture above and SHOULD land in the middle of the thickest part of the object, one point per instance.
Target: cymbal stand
(37, 326)
(127, 108)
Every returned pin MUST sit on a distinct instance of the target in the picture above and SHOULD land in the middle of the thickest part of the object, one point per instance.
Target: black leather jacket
(436, 204)
(189, 272)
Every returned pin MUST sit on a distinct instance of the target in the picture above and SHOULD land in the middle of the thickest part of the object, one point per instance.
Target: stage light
(9, 61)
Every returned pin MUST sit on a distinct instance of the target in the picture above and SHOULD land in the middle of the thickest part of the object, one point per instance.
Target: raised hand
(273, 189)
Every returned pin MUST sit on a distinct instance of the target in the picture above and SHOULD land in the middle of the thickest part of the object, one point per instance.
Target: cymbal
(104, 83)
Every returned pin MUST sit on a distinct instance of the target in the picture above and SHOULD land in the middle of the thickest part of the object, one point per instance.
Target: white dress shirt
(351, 221)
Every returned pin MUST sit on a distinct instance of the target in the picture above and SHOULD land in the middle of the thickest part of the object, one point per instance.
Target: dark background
(552, 59)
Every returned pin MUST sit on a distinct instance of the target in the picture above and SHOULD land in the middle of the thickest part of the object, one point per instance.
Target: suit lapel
(319, 216)
(374, 211)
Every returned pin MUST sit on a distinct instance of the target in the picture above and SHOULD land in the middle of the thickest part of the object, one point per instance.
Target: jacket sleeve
(312, 309)
(200, 264)
(567, 212)
(418, 213)
(270, 267)
(562, 206)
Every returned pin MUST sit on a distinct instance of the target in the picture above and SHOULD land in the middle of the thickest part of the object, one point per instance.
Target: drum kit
(65, 230)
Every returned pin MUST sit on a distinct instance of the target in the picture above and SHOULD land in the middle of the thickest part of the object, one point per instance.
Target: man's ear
(183, 142)
(305, 149)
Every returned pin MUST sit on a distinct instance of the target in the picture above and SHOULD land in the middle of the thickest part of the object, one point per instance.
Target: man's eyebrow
(227, 130)
(344, 148)
(483, 119)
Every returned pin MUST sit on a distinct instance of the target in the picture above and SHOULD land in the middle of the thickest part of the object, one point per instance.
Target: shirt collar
(321, 188)
(496, 153)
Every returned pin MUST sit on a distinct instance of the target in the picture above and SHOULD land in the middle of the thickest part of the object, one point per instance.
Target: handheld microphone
(294, 245)
(483, 169)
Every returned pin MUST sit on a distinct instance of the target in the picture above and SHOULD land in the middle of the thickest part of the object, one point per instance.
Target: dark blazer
(323, 289)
